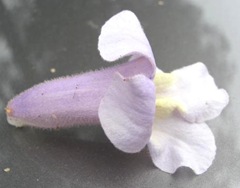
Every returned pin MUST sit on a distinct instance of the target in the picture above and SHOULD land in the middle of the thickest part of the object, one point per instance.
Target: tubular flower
(136, 103)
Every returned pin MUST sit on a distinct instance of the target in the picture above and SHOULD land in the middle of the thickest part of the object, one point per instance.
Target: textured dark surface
(36, 36)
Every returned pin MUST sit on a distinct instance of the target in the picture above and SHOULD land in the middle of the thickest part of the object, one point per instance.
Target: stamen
(166, 106)
(163, 80)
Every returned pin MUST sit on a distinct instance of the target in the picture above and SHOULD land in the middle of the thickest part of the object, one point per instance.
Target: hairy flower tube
(136, 103)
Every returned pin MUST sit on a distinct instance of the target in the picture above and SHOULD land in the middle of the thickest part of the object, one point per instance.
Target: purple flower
(136, 103)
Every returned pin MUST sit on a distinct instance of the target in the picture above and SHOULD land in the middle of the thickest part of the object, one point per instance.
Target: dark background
(37, 35)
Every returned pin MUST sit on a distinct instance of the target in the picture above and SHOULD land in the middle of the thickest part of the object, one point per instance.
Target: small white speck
(52, 70)
(7, 169)
(92, 24)
(161, 3)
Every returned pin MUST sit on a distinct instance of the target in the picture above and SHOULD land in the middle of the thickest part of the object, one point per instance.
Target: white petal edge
(175, 143)
(126, 112)
(122, 35)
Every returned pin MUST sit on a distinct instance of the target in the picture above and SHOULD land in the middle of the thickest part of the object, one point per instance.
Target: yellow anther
(163, 80)
(166, 106)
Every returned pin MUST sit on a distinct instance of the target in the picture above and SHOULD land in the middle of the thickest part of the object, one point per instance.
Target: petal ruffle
(126, 112)
(122, 35)
(195, 88)
(175, 143)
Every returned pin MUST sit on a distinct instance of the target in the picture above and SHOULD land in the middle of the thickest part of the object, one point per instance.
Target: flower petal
(122, 35)
(126, 112)
(175, 143)
(196, 90)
